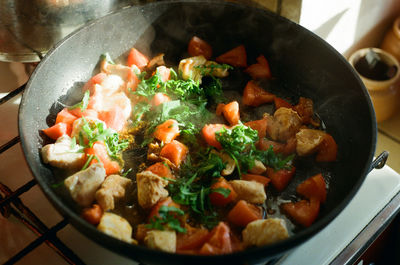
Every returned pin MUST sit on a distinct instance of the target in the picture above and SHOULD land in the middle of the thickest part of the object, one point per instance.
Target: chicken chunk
(264, 232)
(84, 184)
(62, 154)
(308, 141)
(284, 124)
(150, 189)
(112, 189)
(229, 163)
(216, 71)
(249, 191)
(116, 226)
(78, 125)
(188, 67)
(258, 168)
(161, 240)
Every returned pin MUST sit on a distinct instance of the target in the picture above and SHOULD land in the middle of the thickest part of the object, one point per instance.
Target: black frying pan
(302, 63)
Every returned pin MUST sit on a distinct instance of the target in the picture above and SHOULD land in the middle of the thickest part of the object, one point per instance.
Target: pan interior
(303, 64)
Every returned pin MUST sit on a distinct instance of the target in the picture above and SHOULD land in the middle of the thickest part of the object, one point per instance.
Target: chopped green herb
(84, 103)
(106, 56)
(167, 217)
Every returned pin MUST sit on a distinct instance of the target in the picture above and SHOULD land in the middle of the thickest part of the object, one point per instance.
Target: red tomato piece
(156, 208)
(231, 112)
(260, 69)
(282, 148)
(137, 58)
(66, 116)
(175, 152)
(253, 95)
(280, 102)
(159, 98)
(192, 240)
(302, 212)
(208, 133)
(58, 130)
(96, 79)
(243, 213)
(236, 57)
(219, 242)
(167, 131)
(161, 169)
(327, 150)
(313, 187)
(260, 126)
(198, 46)
(100, 151)
(114, 118)
(92, 214)
(280, 178)
(86, 113)
(217, 198)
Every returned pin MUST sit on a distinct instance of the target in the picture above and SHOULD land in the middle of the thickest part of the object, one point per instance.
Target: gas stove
(343, 239)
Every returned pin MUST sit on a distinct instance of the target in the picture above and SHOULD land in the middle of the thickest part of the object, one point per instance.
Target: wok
(302, 63)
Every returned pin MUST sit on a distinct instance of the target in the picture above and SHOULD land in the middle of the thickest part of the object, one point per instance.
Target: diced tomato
(260, 126)
(159, 98)
(58, 130)
(258, 178)
(96, 79)
(192, 240)
(217, 198)
(280, 178)
(100, 151)
(243, 213)
(231, 112)
(302, 212)
(132, 81)
(327, 151)
(92, 214)
(175, 152)
(280, 102)
(236, 57)
(137, 58)
(86, 113)
(208, 133)
(259, 70)
(198, 46)
(167, 131)
(156, 208)
(279, 148)
(114, 118)
(164, 73)
(253, 95)
(219, 242)
(66, 116)
(313, 187)
(220, 108)
(161, 169)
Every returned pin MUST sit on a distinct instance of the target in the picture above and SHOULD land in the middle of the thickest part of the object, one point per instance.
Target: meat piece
(187, 67)
(284, 124)
(102, 102)
(308, 141)
(112, 84)
(116, 226)
(264, 232)
(258, 167)
(150, 189)
(77, 126)
(61, 155)
(249, 191)
(112, 189)
(229, 163)
(83, 185)
(216, 71)
(161, 240)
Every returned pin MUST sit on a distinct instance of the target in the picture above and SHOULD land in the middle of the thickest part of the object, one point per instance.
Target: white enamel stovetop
(378, 189)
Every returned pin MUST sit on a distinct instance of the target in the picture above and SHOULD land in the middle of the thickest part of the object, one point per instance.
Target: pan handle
(380, 161)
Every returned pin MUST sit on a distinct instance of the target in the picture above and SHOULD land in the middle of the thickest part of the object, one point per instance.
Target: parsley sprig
(84, 102)
(239, 143)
